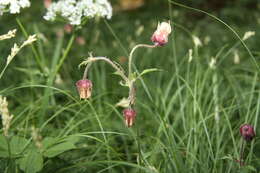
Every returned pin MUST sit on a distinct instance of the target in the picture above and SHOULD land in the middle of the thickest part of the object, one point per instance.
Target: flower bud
(247, 132)
(129, 115)
(84, 87)
(160, 36)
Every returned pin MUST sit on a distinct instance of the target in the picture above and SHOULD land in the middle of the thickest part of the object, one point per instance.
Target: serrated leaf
(32, 162)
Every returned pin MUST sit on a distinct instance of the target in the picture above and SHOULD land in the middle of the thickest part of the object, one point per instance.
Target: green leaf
(148, 71)
(3, 146)
(58, 149)
(17, 144)
(32, 162)
(55, 146)
(48, 142)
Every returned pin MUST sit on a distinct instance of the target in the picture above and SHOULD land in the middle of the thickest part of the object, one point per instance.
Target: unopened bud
(247, 132)
(84, 87)
(129, 115)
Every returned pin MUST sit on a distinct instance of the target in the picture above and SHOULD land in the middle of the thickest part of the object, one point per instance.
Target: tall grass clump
(91, 92)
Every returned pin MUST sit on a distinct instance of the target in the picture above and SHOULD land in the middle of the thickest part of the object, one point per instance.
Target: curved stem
(92, 59)
(85, 75)
(131, 55)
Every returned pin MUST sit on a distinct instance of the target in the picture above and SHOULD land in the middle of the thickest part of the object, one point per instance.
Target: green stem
(241, 161)
(119, 70)
(36, 56)
(2, 73)
(131, 55)
(85, 75)
(65, 55)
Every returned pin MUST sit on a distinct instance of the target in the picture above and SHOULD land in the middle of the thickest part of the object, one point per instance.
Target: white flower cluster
(13, 6)
(75, 10)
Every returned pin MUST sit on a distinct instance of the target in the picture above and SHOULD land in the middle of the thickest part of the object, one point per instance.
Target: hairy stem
(131, 55)
(119, 70)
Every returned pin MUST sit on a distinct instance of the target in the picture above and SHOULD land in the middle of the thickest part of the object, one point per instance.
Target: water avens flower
(84, 87)
(160, 36)
(129, 115)
(247, 132)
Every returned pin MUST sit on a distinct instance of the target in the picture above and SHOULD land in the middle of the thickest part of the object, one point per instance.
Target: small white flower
(13, 6)
(24, 3)
(190, 55)
(9, 35)
(248, 34)
(212, 63)
(236, 57)
(75, 11)
(196, 41)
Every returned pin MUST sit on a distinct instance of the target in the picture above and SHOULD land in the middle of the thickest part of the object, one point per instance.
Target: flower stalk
(132, 52)
(159, 38)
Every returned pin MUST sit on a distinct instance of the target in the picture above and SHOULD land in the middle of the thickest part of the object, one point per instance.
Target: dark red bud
(129, 115)
(84, 87)
(247, 132)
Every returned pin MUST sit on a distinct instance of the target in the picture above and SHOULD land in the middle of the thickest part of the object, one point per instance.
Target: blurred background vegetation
(175, 130)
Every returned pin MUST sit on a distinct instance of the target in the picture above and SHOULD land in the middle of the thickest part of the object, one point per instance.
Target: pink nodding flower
(84, 87)
(247, 132)
(129, 115)
(160, 36)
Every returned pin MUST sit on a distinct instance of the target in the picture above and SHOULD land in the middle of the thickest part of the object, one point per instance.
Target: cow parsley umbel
(13, 6)
(75, 11)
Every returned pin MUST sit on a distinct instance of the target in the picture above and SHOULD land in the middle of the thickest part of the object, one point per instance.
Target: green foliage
(55, 146)
(188, 115)
(32, 162)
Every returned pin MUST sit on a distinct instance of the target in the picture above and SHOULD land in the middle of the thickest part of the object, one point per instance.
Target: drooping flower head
(160, 36)
(84, 87)
(247, 132)
(129, 115)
